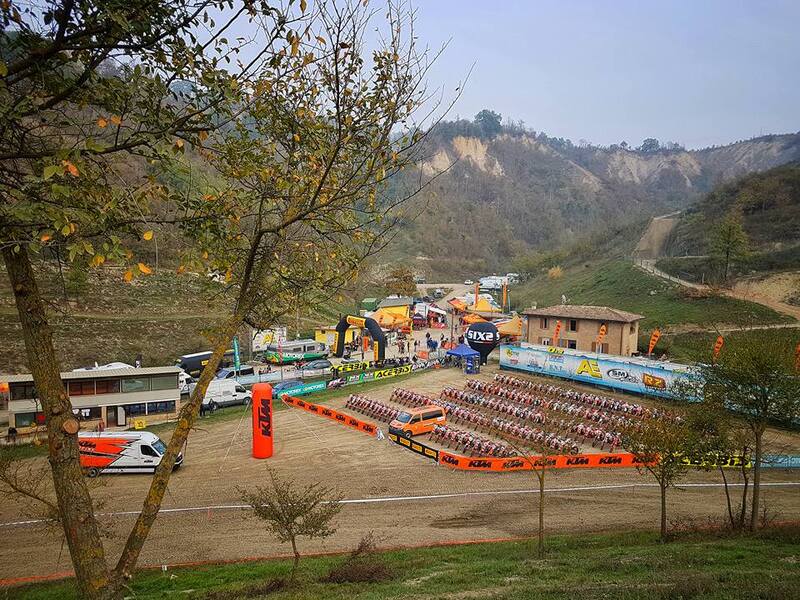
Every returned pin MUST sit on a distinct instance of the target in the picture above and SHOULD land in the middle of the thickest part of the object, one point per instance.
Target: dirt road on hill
(417, 502)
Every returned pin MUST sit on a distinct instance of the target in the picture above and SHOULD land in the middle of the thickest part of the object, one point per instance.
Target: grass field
(697, 346)
(621, 285)
(612, 566)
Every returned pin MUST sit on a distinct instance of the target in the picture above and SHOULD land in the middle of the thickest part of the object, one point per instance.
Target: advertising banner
(264, 337)
(331, 414)
(422, 449)
(520, 463)
(640, 376)
(262, 420)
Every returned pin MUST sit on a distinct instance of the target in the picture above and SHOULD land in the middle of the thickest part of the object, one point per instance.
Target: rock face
(498, 196)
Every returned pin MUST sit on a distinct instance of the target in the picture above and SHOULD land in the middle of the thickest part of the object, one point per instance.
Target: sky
(697, 72)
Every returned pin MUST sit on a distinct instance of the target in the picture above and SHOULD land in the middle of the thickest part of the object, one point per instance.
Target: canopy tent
(463, 351)
(512, 326)
(389, 318)
(470, 319)
(483, 305)
(457, 304)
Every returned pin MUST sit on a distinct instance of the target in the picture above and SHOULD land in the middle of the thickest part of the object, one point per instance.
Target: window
(542, 322)
(573, 324)
(633, 327)
(158, 408)
(148, 451)
(544, 341)
(23, 391)
(107, 386)
(562, 343)
(432, 415)
(603, 348)
(416, 419)
(87, 414)
(28, 419)
(572, 344)
(135, 410)
(164, 382)
(136, 385)
(81, 388)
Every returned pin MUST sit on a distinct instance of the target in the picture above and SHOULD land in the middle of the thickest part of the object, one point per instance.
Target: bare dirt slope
(651, 245)
(404, 498)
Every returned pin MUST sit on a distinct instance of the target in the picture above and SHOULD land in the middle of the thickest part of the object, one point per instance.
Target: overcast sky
(698, 72)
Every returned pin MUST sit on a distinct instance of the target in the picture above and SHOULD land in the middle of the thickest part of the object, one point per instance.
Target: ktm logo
(265, 419)
(589, 367)
(450, 460)
(480, 464)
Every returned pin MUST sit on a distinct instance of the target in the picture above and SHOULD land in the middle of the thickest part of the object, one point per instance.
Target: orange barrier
(520, 463)
(333, 415)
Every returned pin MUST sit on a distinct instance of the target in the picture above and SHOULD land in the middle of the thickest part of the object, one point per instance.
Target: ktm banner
(718, 346)
(333, 415)
(521, 463)
(556, 333)
(600, 335)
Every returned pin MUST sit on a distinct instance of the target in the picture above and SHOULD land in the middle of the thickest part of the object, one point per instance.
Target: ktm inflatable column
(262, 420)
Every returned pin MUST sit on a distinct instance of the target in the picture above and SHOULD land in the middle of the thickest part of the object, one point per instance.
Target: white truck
(223, 392)
(121, 452)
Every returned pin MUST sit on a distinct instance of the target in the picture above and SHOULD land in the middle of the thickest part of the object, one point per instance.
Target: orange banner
(600, 335)
(555, 334)
(653, 341)
(333, 415)
(520, 463)
(718, 347)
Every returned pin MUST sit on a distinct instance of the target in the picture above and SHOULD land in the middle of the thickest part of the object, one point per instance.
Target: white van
(223, 392)
(121, 452)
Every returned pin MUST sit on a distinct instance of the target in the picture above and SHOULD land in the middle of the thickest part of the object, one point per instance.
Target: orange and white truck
(121, 452)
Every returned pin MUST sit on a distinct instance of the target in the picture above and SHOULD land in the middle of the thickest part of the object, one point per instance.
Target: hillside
(664, 304)
(494, 196)
(769, 206)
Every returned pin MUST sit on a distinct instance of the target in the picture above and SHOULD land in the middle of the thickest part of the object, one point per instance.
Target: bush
(363, 565)
(255, 590)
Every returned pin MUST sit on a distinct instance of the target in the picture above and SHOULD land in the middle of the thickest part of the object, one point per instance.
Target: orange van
(415, 421)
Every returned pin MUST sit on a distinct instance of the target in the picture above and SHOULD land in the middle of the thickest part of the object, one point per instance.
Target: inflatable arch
(378, 338)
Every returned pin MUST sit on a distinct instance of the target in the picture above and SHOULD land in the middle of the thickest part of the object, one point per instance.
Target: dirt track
(313, 449)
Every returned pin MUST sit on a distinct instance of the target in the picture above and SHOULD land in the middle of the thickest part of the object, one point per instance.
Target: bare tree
(292, 511)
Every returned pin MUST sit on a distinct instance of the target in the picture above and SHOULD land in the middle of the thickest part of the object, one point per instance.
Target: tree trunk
(663, 511)
(728, 498)
(743, 507)
(74, 502)
(295, 562)
(756, 480)
(541, 514)
(158, 485)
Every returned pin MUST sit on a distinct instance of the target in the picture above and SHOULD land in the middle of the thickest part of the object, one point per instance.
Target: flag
(718, 347)
(555, 334)
(654, 340)
(600, 335)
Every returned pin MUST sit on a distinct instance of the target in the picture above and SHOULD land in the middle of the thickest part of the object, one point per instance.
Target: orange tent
(512, 326)
(470, 319)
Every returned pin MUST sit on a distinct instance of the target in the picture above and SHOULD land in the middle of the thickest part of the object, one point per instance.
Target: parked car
(438, 293)
(316, 368)
(230, 372)
(286, 387)
(469, 282)
(121, 452)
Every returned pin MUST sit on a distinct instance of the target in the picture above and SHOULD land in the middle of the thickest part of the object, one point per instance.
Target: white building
(113, 395)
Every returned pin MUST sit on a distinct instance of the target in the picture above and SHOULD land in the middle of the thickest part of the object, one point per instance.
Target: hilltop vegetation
(768, 205)
(501, 190)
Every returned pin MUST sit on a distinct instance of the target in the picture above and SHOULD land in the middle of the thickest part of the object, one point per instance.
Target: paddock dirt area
(404, 498)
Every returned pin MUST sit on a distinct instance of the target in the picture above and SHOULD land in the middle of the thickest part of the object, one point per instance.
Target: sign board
(139, 423)
(236, 359)
(264, 337)
(641, 376)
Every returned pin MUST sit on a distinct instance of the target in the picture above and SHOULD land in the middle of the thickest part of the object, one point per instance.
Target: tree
(299, 143)
(660, 446)
(729, 243)
(757, 380)
(489, 122)
(650, 145)
(400, 282)
(291, 511)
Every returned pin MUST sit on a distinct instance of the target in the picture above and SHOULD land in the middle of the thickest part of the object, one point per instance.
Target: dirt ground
(398, 493)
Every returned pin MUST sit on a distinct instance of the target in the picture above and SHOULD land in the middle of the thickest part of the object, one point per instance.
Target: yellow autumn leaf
(144, 268)
(295, 45)
(45, 237)
(321, 40)
(181, 269)
(128, 275)
(98, 259)
(102, 123)
(147, 235)
(303, 5)
(205, 255)
(116, 120)
(202, 135)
